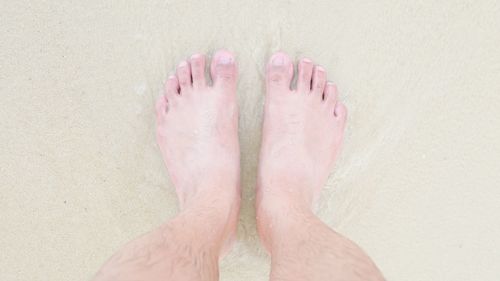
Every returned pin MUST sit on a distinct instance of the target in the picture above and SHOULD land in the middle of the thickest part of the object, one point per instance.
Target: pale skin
(197, 132)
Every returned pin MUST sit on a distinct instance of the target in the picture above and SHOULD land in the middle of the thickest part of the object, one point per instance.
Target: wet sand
(417, 184)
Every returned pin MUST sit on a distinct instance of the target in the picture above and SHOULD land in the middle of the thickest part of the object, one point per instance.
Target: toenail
(307, 61)
(225, 60)
(183, 64)
(279, 60)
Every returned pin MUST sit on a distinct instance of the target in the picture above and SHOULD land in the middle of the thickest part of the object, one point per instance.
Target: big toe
(279, 72)
(223, 69)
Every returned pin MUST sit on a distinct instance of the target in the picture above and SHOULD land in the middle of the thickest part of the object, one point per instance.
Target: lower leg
(304, 248)
(185, 248)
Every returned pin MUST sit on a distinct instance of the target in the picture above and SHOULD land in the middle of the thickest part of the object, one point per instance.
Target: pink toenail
(279, 60)
(225, 60)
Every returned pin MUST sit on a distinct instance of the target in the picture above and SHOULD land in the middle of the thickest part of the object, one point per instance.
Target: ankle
(215, 190)
(211, 220)
(279, 201)
(277, 218)
(219, 198)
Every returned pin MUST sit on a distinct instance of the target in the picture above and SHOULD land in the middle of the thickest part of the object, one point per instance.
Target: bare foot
(302, 132)
(198, 132)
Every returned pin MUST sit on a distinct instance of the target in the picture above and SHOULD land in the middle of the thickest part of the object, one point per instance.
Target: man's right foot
(302, 132)
(197, 132)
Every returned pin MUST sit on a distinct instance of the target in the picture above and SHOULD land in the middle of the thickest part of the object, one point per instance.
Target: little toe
(197, 63)
(318, 80)
(223, 70)
(340, 112)
(305, 69)
(279, 72)
(184, 76)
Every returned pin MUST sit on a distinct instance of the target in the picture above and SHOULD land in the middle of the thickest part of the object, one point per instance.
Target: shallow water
(417, 182)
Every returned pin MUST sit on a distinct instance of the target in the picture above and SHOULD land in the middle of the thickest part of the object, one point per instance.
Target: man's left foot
(301, 136)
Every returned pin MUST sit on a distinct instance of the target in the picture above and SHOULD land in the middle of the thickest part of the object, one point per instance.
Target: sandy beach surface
(417, 184)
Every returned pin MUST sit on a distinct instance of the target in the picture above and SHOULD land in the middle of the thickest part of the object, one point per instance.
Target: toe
(172, 87)
(223, 70)
(197, 63)
(279, 72)
(318, 80)
(184, 76)
(340, 112)
(305, 69)
(330, 95)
